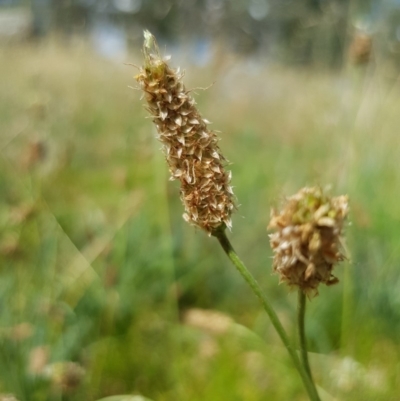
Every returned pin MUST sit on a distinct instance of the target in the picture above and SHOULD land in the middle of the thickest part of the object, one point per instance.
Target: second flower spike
(306, 241)
(190, 147)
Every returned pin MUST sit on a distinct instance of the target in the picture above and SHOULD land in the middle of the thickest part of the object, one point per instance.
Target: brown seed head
(361, 49)
(65, 376)
(306, 241)
(190, 147)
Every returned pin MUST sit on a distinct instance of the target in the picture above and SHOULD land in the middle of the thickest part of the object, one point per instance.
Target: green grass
(98, 264)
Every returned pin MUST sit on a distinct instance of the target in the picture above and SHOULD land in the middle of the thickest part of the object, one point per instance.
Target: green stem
(302, 336)
(251, 281)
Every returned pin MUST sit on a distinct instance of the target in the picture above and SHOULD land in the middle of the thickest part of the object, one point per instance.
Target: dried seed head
(65, 376)
(190, 147)
(306, 243)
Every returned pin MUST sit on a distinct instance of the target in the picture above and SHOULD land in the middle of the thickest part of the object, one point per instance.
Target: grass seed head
(307, 238)
(190, 147)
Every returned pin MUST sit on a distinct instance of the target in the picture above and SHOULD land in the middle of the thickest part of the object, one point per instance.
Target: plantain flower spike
(307, 239)
(190, 147)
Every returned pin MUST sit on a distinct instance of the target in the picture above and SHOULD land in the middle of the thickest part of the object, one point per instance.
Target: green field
(98, 267)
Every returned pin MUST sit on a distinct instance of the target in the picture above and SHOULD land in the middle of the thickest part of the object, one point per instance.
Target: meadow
(105, 290)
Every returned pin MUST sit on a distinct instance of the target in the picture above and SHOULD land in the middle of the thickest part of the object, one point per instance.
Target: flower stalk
(307, 245)
(301, 312)
(255, 287)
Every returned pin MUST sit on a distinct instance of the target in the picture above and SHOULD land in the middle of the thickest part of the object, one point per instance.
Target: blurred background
(104, 289)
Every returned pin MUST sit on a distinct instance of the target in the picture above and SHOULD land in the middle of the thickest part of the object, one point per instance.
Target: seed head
(65, 376)
(190, 147)
(307, 238)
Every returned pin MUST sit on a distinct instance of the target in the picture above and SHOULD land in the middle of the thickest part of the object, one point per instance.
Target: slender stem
(301, 312)
(251, 281)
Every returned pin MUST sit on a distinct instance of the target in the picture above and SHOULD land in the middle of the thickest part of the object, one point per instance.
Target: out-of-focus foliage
(300, 32)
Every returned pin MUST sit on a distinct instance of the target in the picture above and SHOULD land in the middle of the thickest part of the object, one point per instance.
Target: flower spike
(307, 238)
(190, 147)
